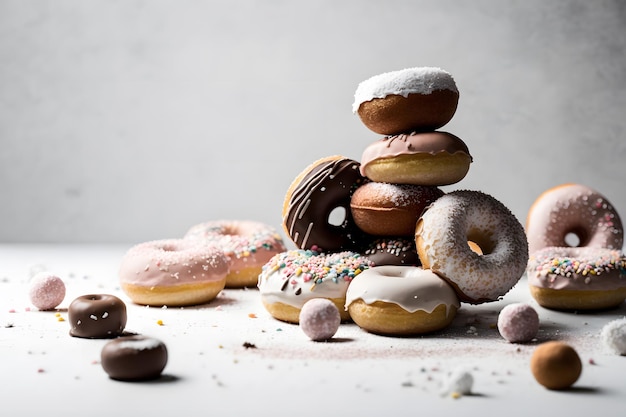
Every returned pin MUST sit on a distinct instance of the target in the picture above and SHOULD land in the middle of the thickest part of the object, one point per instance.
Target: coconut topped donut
(418, 80)
(421, 99)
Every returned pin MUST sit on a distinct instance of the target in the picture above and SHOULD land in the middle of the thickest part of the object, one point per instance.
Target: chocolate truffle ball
(555, 365)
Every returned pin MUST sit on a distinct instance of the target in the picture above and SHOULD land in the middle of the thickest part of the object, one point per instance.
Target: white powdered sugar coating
(144, 343)
(613, 336)
(400, 195)
(419, 80)
(462, 216)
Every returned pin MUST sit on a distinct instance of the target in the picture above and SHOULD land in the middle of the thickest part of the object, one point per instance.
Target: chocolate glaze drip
(326, 187)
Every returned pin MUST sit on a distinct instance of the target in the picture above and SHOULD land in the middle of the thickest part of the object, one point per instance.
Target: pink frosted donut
(175, 272)
(442, 238)
(565, 278)
(573, 211)
(247, 244)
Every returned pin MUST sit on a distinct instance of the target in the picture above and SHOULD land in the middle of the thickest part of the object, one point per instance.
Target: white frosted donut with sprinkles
(442, 235)
(292, 278)
(174, 272)
(564, 278)
(577, 212)
(247, 244)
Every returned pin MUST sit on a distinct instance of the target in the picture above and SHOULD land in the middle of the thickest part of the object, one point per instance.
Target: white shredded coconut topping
(419, 80)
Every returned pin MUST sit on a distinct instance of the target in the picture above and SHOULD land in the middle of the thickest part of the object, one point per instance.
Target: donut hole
(337, 216)
(474, 247)
(480, 243)
(575, 238)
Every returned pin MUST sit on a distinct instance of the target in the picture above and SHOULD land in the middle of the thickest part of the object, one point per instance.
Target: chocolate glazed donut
(97, 316)
(325, 186)
(134, 358)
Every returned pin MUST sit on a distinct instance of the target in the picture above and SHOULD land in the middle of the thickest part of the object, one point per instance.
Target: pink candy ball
(518, 323)
(46, 291)
(319, 319)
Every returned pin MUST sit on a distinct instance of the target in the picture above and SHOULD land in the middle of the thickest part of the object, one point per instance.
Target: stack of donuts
(575, 237)
(378, 236)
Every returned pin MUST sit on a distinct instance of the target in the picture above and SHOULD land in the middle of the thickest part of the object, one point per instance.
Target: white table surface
(44, 371)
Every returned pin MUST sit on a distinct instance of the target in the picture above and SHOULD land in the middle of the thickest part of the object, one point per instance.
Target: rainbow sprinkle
(568, 263)
(317, 268)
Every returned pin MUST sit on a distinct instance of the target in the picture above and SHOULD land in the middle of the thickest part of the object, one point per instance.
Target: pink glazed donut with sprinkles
(564, 278)
(292, 278)
(573, 215)
(247, 244)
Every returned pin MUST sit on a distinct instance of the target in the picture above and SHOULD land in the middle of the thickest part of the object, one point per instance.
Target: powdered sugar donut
(247, 244)
(294, 277)
(565, 278)
(421, 98)
(384, 209)
(401, 301)
(442, 236)
(175, 272)
(576, 211)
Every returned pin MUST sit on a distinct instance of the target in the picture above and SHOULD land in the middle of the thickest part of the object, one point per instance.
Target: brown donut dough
(397, 114)
(383, 209)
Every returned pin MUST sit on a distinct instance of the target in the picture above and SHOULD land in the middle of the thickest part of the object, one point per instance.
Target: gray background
(125, 121)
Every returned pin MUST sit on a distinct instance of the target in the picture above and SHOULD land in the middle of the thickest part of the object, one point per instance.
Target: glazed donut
(247, 244)
(399, 251)
(564, 278)
(412, 99)
(134, 358)
(573, 211)
(401, 301)
(97, 316)
(322, 190)
(294, 277)
(429, 158)
(442, 235)
(384, 209)
(173, 272)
